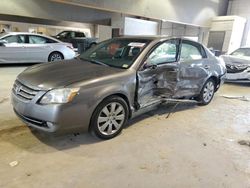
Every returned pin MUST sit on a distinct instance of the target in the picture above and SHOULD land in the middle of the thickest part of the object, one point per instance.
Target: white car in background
(17, 47)
(238, 65)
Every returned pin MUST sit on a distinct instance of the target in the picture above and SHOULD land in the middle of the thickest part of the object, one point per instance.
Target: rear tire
(109, 117)
(55, 56)
(207, 92)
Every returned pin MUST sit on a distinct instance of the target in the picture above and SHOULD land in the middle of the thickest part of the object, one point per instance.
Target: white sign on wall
(140, 27)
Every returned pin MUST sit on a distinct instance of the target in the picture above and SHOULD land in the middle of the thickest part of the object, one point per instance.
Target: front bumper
(69, 54)
(240, 76)
(51, 118)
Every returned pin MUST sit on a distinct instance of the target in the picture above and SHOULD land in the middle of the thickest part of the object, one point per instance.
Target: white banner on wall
(135, 26)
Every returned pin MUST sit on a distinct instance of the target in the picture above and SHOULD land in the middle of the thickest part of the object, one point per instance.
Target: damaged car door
(158, 76)
(194, 69)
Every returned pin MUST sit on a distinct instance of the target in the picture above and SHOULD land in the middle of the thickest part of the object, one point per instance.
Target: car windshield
(242, 52)
(119, 53)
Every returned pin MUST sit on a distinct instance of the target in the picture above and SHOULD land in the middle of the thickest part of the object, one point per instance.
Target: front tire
(55, 56)
(109, 117)
(207, 92)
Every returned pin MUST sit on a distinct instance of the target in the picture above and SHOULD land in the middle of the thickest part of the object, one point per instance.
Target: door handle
(207, 67)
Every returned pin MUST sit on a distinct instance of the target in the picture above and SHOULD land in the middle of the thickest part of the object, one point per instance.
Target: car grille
(24, 92)
(235, 69)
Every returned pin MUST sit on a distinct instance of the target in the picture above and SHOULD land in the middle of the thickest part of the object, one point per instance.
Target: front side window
(119, 53)
(164, 53)
(190, 51)
(15, 39)
(242, 52)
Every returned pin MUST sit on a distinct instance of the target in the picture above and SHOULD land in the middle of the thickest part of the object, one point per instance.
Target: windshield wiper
(95, 61)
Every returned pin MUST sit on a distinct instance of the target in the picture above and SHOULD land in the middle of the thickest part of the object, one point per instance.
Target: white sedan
(238, 65)
(32, 48)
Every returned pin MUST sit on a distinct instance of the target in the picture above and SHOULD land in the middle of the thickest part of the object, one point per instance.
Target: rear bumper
(51, 118)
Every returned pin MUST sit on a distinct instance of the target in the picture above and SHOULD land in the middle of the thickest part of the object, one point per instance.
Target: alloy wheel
(111, 118)
(208, 91)
(56, 57)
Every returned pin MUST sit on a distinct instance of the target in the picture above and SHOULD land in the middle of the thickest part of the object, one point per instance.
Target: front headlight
(59, 96)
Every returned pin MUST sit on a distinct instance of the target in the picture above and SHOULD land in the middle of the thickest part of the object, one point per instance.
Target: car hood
(234, 60)
(61, 74)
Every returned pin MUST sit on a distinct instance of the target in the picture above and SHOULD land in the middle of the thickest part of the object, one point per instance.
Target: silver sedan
(32, 48)
(114, 81)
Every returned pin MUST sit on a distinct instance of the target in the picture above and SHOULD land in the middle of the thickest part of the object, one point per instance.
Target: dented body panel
(179, 79)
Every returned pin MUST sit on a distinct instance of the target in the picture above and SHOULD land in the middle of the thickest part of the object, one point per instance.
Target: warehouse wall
(198, 12)
(46, 9)
(176, 10)
(181, 30)
(88, 29)
(174, 29)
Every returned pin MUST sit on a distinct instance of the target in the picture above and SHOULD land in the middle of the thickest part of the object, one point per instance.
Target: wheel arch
(216, 81)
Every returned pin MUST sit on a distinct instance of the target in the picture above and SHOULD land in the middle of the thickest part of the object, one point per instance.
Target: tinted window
(191, 51)
(79, 34)
(15, 39)
(33, 39)
(164, 53)
(242, 52)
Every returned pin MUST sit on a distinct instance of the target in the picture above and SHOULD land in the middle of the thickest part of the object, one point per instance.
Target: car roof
(27, 33)
(71, 31)
(23, 33)
(147, 37)
(155, 37)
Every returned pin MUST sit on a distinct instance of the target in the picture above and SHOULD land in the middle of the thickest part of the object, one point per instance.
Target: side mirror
(3, 42)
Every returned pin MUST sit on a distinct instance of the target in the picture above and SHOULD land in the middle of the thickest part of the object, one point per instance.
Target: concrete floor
(194, 147)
